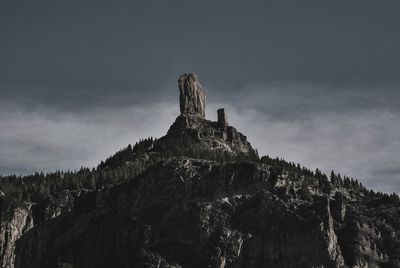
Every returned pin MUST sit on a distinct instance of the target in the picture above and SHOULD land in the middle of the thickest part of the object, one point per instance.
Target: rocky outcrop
(192, 97)
(15, 220)
(18, 218)
(191, 132)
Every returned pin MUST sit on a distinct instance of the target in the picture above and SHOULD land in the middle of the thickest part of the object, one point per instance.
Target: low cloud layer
(351, 129)
(361, 145)
(355, 140)
(42, 139)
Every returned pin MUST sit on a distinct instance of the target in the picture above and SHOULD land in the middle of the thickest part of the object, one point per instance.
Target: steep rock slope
(15, 220)
(196, 213)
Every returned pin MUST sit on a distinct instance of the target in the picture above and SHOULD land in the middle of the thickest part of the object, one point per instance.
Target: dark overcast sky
(313, 81)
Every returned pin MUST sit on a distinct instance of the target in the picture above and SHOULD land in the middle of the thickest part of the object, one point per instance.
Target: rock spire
(192, 97)
(222, 118)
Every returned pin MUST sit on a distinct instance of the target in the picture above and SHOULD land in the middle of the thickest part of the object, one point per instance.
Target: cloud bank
(44, 139)
(339, 132)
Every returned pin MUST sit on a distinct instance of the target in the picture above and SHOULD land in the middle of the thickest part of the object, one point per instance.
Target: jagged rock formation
(181, 211)
(192, 132)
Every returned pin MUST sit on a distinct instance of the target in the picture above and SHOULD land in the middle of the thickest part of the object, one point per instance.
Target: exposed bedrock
(192, 97)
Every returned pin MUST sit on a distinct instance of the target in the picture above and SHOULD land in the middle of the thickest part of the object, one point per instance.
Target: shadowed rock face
(222, 118)
(192, 97)
(15, 220)
(197, 213)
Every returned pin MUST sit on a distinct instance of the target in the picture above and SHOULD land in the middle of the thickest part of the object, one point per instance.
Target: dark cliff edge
(198, 197)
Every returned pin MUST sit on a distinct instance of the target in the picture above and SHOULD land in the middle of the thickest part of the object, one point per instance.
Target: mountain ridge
(200, 196)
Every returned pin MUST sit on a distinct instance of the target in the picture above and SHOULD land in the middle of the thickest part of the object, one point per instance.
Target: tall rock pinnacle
(192, 97)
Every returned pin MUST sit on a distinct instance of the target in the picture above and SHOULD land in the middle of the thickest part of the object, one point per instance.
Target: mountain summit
(198, 197)
(191, 132)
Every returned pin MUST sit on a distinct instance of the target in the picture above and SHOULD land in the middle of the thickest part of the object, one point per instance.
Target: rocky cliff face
(15, 220)
(191, 212)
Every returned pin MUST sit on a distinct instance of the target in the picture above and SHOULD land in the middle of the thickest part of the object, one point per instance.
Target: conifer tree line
(123, 165)
(131, 161)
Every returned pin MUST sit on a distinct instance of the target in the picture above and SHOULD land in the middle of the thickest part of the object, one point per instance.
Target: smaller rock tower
(222, 118)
